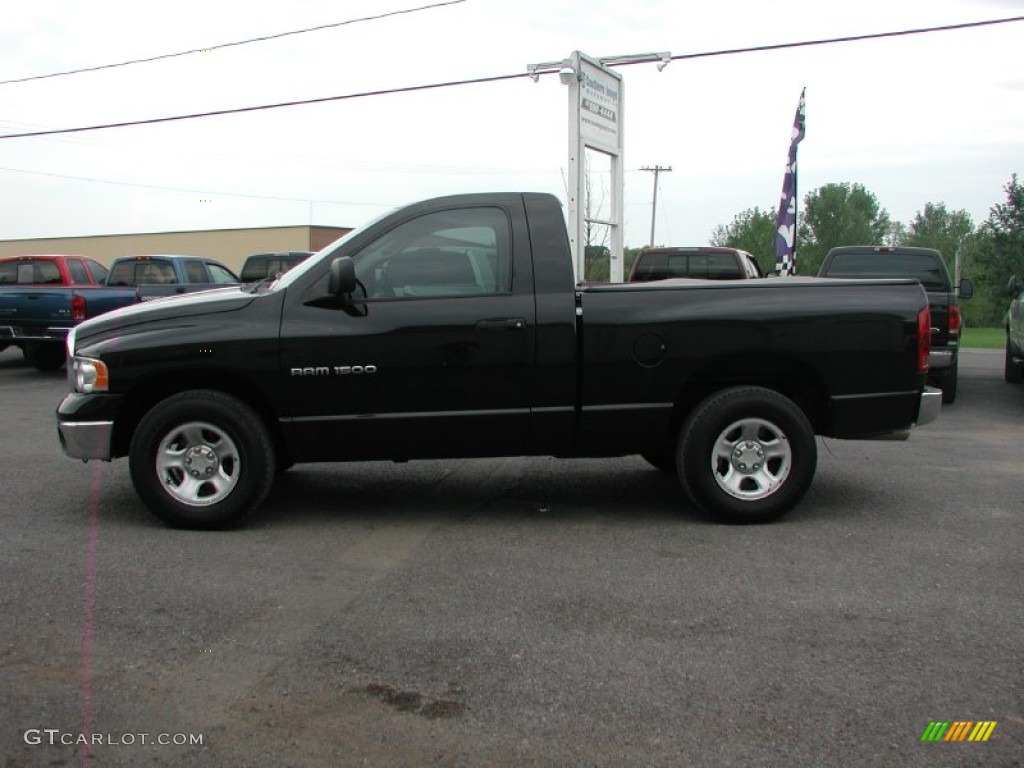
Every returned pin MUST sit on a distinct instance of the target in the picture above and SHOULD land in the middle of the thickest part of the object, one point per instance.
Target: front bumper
(85, 425)
(86, 439)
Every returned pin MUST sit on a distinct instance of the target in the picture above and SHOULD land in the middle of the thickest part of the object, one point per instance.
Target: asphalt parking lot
(519, 612)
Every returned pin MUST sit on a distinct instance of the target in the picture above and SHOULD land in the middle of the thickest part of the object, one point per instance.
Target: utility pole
(654, 205)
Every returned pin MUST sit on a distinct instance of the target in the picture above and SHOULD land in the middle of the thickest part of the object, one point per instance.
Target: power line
(279, 105)
(498, 78)
(195, 191)
(247, 41)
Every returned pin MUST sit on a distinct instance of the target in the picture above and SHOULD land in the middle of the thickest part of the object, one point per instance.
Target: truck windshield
(922, 266)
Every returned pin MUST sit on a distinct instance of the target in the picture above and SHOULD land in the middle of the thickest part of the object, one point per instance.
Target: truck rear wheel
(202, 459)
(746, 455)
(948, 383)
(1012, 373)
(45, 356)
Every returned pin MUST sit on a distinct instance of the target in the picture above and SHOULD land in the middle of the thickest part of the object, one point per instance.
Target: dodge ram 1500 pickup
(454, 328)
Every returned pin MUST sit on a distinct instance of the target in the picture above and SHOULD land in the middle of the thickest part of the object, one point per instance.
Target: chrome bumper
(86, 439)
(14, 334)
(931, 404)
(941, 359)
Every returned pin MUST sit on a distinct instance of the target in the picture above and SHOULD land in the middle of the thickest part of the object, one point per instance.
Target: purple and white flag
(785, 224)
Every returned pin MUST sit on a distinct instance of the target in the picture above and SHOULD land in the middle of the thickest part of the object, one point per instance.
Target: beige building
(228, 246)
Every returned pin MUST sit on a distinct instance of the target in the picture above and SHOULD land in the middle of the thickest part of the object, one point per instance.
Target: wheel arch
(790, 376)
(155, 389)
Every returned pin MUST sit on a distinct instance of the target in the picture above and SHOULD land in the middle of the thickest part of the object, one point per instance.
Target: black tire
(948, 384)
(746, 455)
(1012, 373)
(212, 434)
(45, 357)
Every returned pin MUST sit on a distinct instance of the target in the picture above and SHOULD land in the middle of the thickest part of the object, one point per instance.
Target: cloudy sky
(915, 119)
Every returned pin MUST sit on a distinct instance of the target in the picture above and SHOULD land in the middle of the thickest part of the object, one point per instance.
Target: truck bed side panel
(645, 351)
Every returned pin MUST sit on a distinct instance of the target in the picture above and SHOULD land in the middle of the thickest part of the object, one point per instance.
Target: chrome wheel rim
(751, 459)
(198, 463)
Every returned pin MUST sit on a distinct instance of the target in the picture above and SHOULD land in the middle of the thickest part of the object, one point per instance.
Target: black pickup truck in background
(700, 262)
(454, 328)
(263, 265)
(927, 266)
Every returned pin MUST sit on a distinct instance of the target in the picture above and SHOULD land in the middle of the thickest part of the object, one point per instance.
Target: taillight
(77, 308)
(954, 320)
(924, 339)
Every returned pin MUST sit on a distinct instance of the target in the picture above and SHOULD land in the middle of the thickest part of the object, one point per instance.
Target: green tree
(936, 227)
(839, 214)
(597, 261)
(998, 252)
(753, 231)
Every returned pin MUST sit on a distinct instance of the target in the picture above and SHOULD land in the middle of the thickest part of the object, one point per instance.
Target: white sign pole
(595, 122)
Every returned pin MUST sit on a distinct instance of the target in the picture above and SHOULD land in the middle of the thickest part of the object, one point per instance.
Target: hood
(216, 300)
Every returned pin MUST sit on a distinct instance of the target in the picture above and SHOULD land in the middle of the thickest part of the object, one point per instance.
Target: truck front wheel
(746, 455)
(202, 459)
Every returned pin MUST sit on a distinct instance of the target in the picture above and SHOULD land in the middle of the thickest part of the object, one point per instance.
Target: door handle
(502, 324)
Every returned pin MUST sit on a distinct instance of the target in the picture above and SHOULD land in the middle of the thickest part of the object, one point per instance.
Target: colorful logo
(958, 730)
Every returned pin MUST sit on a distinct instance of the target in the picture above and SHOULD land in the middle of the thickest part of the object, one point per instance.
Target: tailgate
(33, 309)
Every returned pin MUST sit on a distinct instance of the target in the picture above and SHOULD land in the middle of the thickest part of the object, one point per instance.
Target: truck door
(435, 356)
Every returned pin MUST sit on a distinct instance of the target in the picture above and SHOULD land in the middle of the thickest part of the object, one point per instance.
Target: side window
(40, 273)
(462, 252)
(77, 271)
(751, 266)
(8, 272)
(221, 275)
(98, 271)
(194, 272)
(653, 266)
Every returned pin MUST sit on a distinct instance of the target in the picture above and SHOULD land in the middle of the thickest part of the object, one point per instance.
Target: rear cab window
(142, 271)
(29, 272)
(925, 267)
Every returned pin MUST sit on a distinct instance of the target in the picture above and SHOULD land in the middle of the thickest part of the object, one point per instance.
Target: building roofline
(177, 232)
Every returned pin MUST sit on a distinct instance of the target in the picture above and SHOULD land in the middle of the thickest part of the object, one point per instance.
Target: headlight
(70, 343)
(88, 375)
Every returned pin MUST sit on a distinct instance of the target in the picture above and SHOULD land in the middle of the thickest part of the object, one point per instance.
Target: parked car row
(43, 296)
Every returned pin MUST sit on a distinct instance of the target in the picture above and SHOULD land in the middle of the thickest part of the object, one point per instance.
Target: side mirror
(966, 288)
(1014, 286)
(341, 279)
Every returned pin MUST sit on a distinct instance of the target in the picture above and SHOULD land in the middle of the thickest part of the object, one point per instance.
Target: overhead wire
(219, 46)
(191, 190)
(499, 78)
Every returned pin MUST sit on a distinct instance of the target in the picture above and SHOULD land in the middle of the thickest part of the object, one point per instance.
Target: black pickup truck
(455, 328)
(927, 266)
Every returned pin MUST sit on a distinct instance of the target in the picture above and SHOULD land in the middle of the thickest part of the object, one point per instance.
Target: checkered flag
(785, 225)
